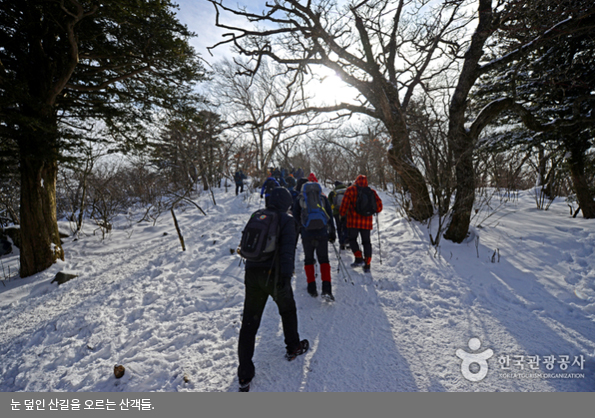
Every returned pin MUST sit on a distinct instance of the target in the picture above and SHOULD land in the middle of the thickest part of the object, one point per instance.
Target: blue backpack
(313, 216)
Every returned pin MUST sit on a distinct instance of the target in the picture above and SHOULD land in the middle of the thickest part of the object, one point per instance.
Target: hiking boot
(366, 268)
(327, 294)
(312, 289)
(302, 348)
(358, 262)
(244, 386)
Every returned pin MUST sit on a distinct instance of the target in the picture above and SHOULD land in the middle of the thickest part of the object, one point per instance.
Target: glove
(332, 237)
(261, 196)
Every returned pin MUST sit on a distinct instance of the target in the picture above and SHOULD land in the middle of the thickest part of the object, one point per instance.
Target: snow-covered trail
(172, 318)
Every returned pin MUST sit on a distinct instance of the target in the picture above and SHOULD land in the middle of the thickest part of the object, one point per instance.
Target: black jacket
(280, 201)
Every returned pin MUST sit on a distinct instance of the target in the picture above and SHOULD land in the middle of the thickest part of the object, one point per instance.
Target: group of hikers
(283, 177)
(299, 210)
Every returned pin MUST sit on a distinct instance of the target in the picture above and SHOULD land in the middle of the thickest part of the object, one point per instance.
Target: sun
(327, 88)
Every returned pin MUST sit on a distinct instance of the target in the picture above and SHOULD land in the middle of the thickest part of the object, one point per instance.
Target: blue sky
(199, 16)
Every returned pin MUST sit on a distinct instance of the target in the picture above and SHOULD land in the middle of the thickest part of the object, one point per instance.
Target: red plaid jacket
(354, 219)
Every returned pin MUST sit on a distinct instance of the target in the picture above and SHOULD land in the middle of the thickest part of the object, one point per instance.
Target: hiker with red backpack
(359, 205)
(313, 212)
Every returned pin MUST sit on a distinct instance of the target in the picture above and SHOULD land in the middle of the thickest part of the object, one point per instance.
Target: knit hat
(313, 178)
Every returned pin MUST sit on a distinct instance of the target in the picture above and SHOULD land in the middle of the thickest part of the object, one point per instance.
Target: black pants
(366, 242)
(259, 286)
(341, 229)
(239, 187)
(318, 244)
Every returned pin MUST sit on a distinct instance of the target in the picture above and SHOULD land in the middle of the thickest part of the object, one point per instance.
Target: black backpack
(260, 236)
(338, 199)
(365, 204)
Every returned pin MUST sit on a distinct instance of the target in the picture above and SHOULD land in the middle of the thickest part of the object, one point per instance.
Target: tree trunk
(580, 184)
(415, 183)
(41, 245)
(465, 189)
(400, 157)
(460, 140)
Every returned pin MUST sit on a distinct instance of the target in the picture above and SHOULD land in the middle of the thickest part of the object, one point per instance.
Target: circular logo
(478, 358)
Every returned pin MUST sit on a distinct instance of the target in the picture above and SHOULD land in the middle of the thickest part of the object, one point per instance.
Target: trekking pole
(338, 261)
(379, 246)
(345, 271)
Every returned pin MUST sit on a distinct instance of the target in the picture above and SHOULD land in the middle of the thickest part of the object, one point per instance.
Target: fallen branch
(178, 229)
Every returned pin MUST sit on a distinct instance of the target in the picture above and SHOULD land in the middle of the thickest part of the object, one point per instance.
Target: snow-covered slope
(523, 286)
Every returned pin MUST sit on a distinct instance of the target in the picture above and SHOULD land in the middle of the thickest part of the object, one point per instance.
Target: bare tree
(251, 101)
(391, 50)
(386, 50)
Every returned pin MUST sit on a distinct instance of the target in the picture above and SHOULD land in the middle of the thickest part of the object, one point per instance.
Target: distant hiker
(296, 193)
(299, 173)
(239, 178)
(335, 198)
(271, 277)
(290, 182)
(313, 212)
(278, 176)
(359, 205)
(268, 186)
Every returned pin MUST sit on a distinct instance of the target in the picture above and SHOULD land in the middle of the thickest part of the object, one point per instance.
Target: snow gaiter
(325, 272)
(310, 273)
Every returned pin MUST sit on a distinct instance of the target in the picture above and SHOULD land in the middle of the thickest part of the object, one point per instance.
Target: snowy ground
(523, 285)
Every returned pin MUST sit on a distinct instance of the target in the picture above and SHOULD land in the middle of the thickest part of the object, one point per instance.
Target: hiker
(335, 197)
(269, 184)
(239, 178)
(271, 278)
(313, 212)
(358, 224)
(277, 175)
(296, 193)
(290, 182)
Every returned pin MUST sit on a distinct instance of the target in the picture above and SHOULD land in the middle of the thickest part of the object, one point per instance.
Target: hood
(313, 178)
(301, 181)
(361, 181)
(280, 199)
(339, 185)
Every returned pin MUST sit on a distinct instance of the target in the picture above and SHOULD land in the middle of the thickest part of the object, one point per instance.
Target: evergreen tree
(554, 84)
(68, 66)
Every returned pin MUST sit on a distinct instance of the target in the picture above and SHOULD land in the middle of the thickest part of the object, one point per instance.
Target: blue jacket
(272, 180)
(280, 201)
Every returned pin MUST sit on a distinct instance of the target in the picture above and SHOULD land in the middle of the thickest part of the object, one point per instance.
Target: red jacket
(354, 219)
